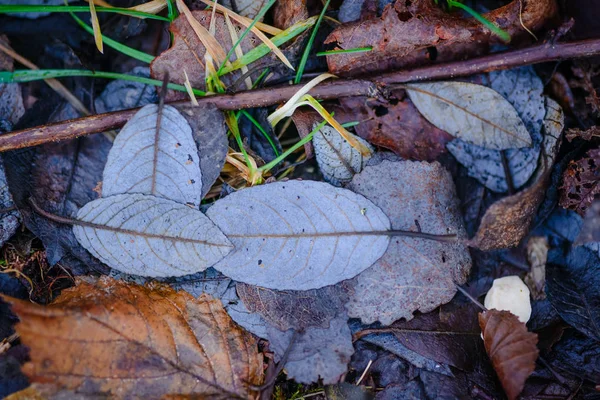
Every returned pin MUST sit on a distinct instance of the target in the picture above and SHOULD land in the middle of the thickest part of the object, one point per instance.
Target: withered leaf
(11, 99)
(511, 348)
(402, 37)
(155, 154)
(473, 113)
(123, 340)
(246, 8)
(414, 273)
(295, 309)
(121, 94)
(299, 235)
(524, 90)
(581, 182)
(9, 220)
(288, 12)
(588, 134)
(149, 236)
(590, 230)
(507, 221)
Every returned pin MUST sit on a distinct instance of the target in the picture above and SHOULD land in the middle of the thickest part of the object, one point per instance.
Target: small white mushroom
(509, 294)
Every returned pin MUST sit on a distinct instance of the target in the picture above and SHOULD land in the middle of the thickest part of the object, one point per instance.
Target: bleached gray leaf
(161, 162)
(149, 236)
(337, 159)
(9, 221)
(474, 113)
(524, 90)
(414, 273)
(299, 235)
(120, 94)
(247, 8)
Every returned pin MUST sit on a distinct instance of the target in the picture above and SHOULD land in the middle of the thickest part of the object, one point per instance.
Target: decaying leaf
(11, 100)
(403, 37)
(588, 134)
(511, 348)
(414, 273)
(507, 221)
(122, 340)
(299, 235)
(590, 230)
(121, 95)
(295, 309)
(187, 52)
(149, 236)
(9, 220)
(537, 255)
(245, 8)
(473, 113)
(524, 90)
(337, 159)
(288, 12)
(155, 154)
(396, 125)
(572, 289)
(581, 182)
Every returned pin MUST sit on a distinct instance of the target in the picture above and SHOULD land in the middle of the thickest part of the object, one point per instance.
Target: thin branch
(332, 90)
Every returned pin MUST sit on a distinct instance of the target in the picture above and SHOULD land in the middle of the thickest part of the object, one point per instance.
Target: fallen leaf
(288, 12)
(590, 230)
(187, 52)
(121, 95)
(581, 182)
(245, 8)
(473, 113)
(511, 348)
(155, 154)
(537, 255)
(507, 221)
(414, 273)
(402, 37)
(572, 289)
(149, 236)
(587, 134)
(524, 90)
(11, 100)
(10, 218)
(298, 235)
(396, 125)
(337, 159)
(137, 341)
(577, 355)
(295, 309)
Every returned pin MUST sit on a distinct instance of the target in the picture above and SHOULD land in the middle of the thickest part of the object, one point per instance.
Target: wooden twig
(547, 52)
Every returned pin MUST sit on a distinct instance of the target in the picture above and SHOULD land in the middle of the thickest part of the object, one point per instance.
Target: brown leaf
(581, 182)
(288, 12)
(588, 134)
(124, 340)
(403, 37)
(511, 348)
(397, 126)
(187, 52)
(507, 221)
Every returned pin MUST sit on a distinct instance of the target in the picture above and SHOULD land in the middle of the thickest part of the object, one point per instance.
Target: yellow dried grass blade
(210, 43)
(151, 7)
(238, 49)
(188, 88)
(96, 28)
(271, 30)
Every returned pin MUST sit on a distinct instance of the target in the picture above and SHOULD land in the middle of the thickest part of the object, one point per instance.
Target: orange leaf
(511, 348)
(123, 340)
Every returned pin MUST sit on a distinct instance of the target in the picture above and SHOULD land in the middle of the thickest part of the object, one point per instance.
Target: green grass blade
(356, 50)
(497, 31)
(52, 9)
(306, 53)
(129, 51)
(261, 129)
(260, 14)
(262, 49)
(172, 10)
(27, 75)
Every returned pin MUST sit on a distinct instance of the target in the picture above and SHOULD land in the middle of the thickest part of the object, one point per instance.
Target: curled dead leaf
(511, 348)
(124, 340)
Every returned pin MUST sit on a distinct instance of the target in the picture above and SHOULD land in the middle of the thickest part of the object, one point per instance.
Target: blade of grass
(495, 30)
(238, 49)
(151, 7)
(96, 27)
(262, 49)
(18, 76)
(243, 20)
(172, 10)
(356, 50)
(306, 53)
(52, 9)
(261, 129)
(190, 91)
(129, 51)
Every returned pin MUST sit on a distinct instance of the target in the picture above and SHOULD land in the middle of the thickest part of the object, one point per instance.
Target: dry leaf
(588, 134)
(299, 235)
(245, 8)
(414, 273)
(403, 37)
(581, 182)
(123, 340)
(149, 236)
(507, 221)
(511, 348)
(155, 154)
(537, 255)
(473, 113)
(288, 12)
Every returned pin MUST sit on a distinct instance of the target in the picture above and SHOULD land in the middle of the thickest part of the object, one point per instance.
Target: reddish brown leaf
(123, 340)
(287, 12)
(581, 182)
(511, 348)
(417, 32)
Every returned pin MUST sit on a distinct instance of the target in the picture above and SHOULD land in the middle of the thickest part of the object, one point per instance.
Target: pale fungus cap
(509, 294)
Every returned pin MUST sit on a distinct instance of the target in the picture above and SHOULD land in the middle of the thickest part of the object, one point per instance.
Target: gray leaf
(474, 113)
(163, 163)
(337, 159)
(149, 236)
(524, 90)
(121, 95)
(414, 273)
(9, 221)
(298, 235)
